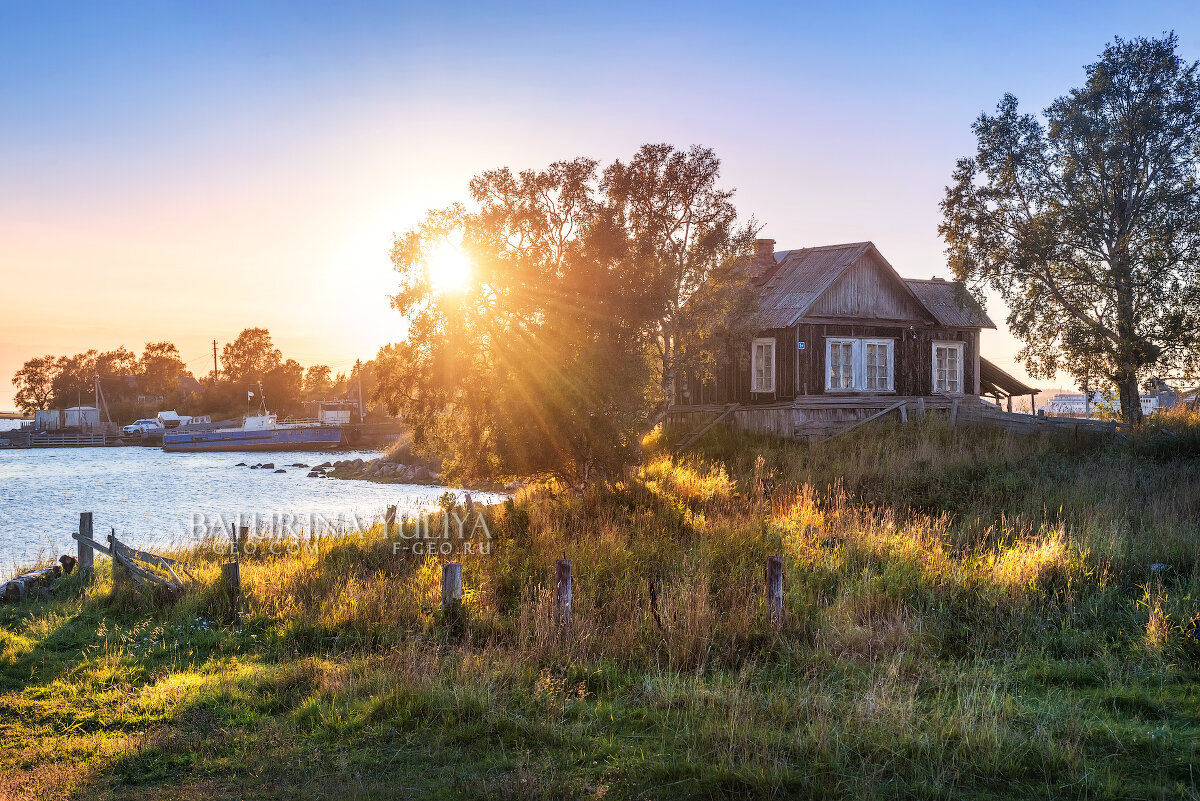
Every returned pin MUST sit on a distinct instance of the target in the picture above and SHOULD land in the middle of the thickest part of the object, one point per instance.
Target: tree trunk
(1131, 398)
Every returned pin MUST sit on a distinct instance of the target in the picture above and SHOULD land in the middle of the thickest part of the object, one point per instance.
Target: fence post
(242, 538)
(118, 569)
(451, 585)
(775, 591)
(231, 577)
(389, 521)
(954, 412)
(85, 551)
(920, 411)
(562, 592)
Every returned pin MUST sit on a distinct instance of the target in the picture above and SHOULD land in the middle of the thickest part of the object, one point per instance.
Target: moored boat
(258, 432)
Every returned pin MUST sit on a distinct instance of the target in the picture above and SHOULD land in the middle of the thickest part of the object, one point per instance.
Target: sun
(448, 268)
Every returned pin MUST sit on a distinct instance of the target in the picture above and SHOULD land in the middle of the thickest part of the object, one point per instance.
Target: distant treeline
(135, 385)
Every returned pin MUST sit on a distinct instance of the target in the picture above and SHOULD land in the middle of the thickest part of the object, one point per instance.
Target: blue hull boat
(282, 438)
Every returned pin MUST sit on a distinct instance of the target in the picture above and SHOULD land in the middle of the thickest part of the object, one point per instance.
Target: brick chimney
(764, 257)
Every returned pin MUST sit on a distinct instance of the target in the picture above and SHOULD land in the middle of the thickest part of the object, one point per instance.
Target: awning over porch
(998, 384)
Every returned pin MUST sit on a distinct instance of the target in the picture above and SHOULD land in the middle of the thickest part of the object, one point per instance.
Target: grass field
(968, 615)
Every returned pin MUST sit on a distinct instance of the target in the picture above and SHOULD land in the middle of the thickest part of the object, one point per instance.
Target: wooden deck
(819, 416)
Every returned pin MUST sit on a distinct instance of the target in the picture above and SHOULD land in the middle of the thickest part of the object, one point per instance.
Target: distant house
(843, 336)
(187, 385)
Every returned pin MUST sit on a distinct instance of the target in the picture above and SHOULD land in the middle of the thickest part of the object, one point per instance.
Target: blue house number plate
(799, 346)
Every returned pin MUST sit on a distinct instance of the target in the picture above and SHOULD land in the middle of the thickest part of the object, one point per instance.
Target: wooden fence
(161, 573)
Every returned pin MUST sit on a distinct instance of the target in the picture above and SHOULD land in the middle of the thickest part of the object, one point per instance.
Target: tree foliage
(682, 232)
(318, 381)
(1087, 222)
(250, 357)
(549, 358)
(35, 383)
(160, 368)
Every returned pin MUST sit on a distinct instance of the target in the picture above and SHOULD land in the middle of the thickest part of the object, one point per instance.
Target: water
(151, 497)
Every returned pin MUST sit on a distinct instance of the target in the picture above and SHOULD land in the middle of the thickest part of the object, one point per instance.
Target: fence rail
(68, 440)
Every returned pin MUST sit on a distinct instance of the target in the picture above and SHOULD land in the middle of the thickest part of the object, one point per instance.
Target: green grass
(968, 615)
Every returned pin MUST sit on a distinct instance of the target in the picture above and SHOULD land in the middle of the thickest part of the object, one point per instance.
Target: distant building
(85, 418)
(47, 420)
(1075, 404)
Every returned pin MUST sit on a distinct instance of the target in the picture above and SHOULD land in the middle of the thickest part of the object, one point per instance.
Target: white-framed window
(859, 365)
(762, 365)
(948, 367)
(839, 360)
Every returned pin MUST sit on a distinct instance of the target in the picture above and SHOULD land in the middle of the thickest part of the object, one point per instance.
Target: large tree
(318, 381)
(160, 368)
(250, 357)
(74, 379)
(543, 360)
(1087, 220)
(35, 383)
(683, 234)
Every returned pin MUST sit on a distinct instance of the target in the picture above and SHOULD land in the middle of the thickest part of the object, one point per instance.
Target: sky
(181, 171)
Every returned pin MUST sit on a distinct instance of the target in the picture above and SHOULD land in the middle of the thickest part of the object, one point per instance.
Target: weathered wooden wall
(801, 373)
(869, 291)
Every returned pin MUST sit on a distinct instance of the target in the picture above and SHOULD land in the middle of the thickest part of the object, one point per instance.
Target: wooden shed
(842, 337)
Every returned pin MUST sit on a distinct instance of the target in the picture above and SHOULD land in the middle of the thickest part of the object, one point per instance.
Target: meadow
(968, 614)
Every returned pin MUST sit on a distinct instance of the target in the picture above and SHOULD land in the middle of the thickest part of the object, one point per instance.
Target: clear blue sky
(181, 171)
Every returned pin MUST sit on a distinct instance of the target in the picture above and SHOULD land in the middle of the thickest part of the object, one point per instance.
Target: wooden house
(843, 337)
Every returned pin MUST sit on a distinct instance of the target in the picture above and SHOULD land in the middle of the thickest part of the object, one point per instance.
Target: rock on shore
(388, 472)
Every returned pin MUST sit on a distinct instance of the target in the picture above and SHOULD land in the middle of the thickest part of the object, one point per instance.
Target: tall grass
(966, 614)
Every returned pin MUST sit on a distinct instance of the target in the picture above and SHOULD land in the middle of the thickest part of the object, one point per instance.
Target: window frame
(754, 387)
(829, 343)
(890, 347)
(858, 370)
(958, 346)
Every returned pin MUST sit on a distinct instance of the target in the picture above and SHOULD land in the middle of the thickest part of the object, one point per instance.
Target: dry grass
(966, 615)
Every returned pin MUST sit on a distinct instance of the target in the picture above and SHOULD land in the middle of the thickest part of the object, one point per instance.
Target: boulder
(240, 464)
(324, 464)
(280, 471)
(68, 563)
(268, 466)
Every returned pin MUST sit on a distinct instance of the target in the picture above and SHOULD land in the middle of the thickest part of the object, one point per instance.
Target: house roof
(950, 303)
(799, 277)
(994, 381)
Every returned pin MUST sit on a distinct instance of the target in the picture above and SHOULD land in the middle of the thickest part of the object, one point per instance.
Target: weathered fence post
(920, 410)
(954, 412)
(389, 521)
(231, 577)
(562, 592)
(118, 570)
(904, 413)
(243, 537)
(451, 586)
(85, 550)
(775, 591)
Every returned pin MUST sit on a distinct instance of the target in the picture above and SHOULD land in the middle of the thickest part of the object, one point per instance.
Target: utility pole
(358, 370)
(214, 364)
